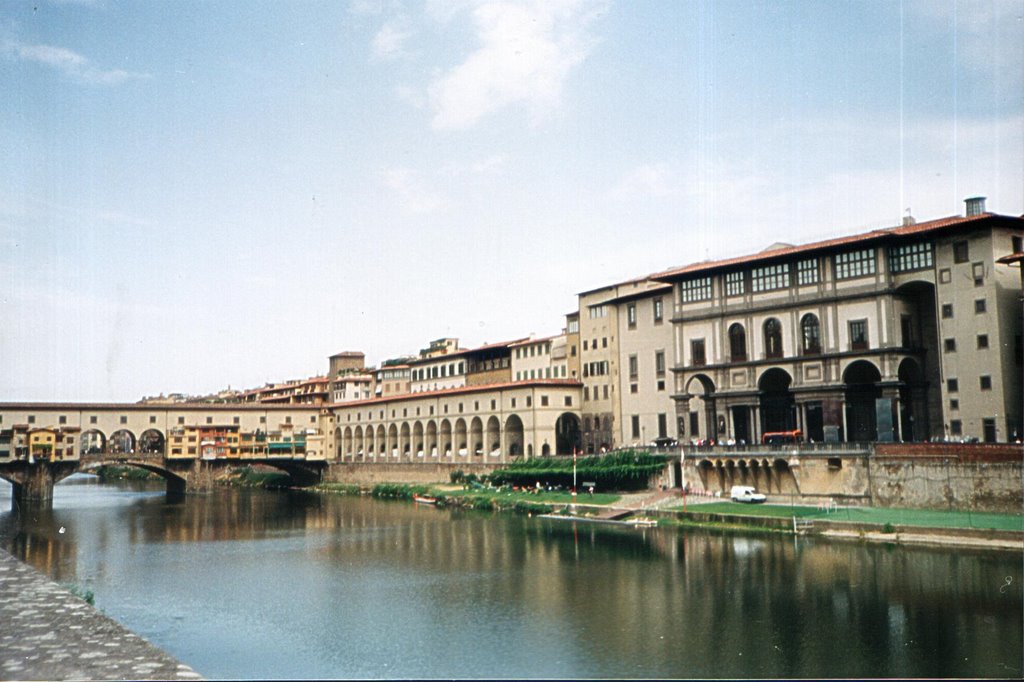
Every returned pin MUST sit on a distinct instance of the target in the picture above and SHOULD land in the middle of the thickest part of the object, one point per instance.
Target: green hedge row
(626, 470)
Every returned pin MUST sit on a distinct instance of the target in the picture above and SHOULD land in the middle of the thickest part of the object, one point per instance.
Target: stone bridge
(33, 480)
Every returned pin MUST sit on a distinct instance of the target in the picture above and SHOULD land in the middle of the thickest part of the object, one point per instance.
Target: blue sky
(197, 195)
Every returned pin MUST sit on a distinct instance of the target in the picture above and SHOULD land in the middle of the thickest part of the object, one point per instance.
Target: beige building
(645, 357)
(488, 423)
(599, 368)
(393, 378)
(907, 333)
(544, 358)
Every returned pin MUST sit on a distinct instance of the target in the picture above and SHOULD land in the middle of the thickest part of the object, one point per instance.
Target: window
(634, 388)
(659, 363)
(31, 419)
(584, 344)
(807, 271)
(982, 341)
(574, 326)
(124, 419)
(697, 357)
(62, 419)
(92, 420)
(658, 310)
(811, 331)
(954, 404)
(662, 425)
(543, 401)
(586, 393)
(947, 311)
(949, 345)
(855, 264)
(152, 419)
(770, 277)
(605, 391)
(635, 424)
(597, 311)
(604, 342)
(695, 289)
(772, 338)
(737, 342)
(955, 427)
(181, 420)
(734, 284)
(909, 257)
(568, 401)
(985, 382)
(1017, 244)
(960, 252)
(235, 420)
(858, 335)
(952, 386)
(979, 305)
(633, 371)
(631, 315)
(945, 276)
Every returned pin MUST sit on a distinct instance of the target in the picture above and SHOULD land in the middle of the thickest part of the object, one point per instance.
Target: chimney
(975, 206)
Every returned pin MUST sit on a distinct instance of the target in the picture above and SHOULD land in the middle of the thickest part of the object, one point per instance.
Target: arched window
(737, 342)
(811, 330)
(772, 338)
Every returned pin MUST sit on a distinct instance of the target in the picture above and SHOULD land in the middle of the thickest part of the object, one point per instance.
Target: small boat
(643, 522)
(424, 499)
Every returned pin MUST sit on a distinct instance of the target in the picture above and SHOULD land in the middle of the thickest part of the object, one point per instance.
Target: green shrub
(888, 528)
(85, 595)
(625, 470)
(457, 476)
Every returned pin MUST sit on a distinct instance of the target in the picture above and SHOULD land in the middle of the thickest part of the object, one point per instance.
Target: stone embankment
(48, 633)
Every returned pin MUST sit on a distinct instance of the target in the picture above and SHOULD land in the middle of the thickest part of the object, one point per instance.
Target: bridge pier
(33, 482)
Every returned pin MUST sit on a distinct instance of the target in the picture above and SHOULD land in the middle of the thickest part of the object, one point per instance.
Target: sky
(196, 195)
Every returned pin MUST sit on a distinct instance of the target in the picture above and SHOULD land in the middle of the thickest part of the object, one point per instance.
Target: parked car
(746, 493)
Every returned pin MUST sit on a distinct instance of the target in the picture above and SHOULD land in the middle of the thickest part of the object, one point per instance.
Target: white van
(746, 493)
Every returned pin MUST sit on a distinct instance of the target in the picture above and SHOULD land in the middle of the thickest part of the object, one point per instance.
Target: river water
(255, 584)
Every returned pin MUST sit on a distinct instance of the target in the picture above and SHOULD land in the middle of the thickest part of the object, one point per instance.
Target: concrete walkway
(47, 633)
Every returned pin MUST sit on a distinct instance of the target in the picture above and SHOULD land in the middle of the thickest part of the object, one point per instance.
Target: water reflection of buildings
(761, 605)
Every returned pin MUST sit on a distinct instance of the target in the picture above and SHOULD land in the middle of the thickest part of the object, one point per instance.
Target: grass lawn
(543, 497)
(875, 515)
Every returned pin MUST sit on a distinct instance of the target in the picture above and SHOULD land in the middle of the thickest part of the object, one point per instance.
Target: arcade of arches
(863, 407)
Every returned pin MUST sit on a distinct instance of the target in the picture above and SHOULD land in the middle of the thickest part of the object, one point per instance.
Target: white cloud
(414, 193)
(389, 43)
(71, 64)
(527, 51)
(646, 181)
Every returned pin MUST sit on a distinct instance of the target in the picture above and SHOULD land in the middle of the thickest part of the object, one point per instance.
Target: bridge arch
(152, 442)
(121, 442)
(92, 442)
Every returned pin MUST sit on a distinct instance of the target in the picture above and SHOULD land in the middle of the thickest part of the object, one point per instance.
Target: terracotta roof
(527, 342)
(862, 238)
(459, 391)
(172, 407)
(465, 351)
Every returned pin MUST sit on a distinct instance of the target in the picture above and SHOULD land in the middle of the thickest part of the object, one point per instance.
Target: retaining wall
(370, 473)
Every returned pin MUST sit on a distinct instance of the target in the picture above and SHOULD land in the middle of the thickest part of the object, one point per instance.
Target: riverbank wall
(967, 477)
(48, 633)
(372, 473)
